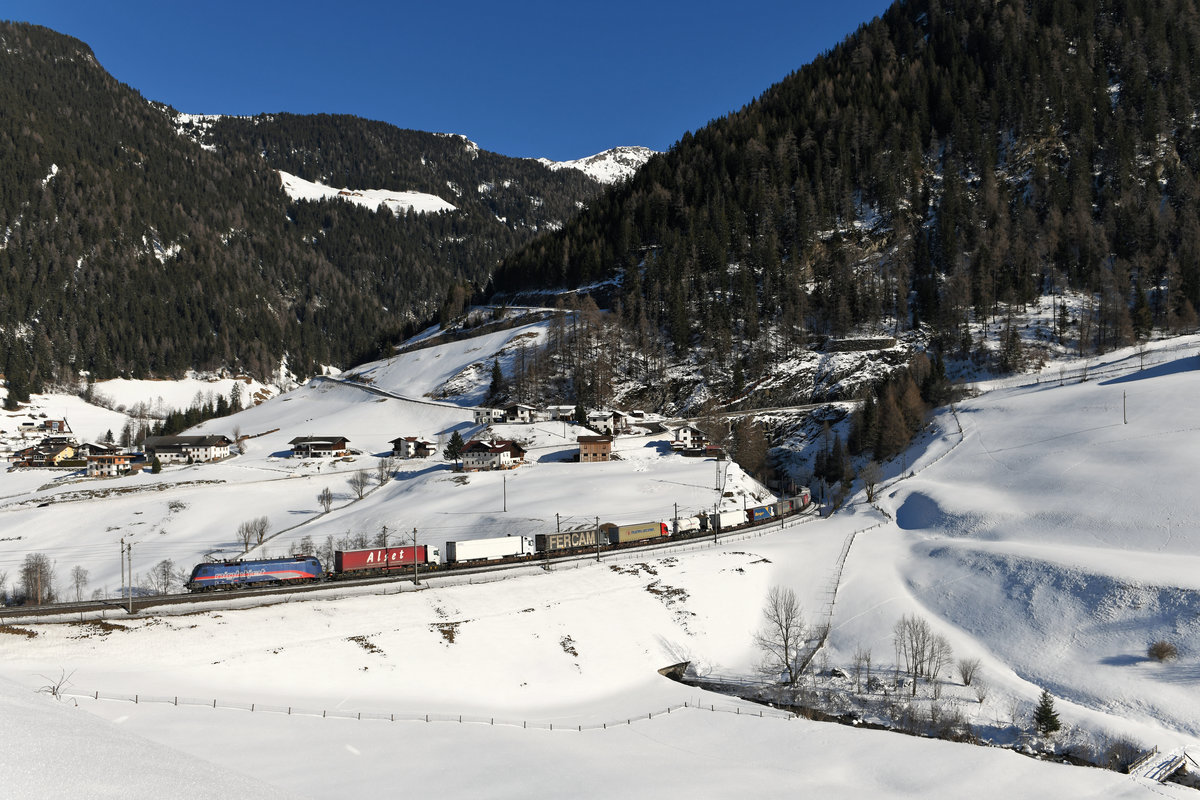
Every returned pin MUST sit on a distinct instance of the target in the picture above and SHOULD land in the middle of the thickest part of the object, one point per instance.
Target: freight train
(375, 561)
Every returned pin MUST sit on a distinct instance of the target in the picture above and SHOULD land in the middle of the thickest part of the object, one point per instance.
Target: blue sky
(556, 79)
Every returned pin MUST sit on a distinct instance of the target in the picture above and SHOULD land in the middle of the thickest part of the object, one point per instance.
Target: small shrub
(1162, 650)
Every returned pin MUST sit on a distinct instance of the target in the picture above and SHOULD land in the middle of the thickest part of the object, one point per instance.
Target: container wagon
(570, 540)
(638, 532)
(490, 549)
(383, 559)
(760, 513)
(730, 519)
(264, 572)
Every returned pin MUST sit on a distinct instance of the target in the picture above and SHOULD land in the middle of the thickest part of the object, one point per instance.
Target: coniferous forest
(946, 162)
(128, 247)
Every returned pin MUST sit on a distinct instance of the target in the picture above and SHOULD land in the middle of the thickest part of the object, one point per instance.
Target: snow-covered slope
(611, 166)
(1053, 538)
(397, 202)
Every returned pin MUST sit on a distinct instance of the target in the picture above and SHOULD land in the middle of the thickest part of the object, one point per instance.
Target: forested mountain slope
(946, 161)
(128, 249)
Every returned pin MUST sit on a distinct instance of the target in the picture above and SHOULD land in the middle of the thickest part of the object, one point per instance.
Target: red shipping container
(381, 558)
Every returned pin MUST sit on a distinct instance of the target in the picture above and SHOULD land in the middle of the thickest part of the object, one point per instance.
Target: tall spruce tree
(1045, 718)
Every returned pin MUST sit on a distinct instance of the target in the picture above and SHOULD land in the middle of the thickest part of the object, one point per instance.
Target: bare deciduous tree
(261, 526)
(913, 640)
(325, 498)
(862, 667)
(967, 670)
(871, 474)
(253, 531)
(941, 655)
(783, 636)
(37, 578)
(383, 471)
(79, 579)
(3, 581)
(163, 576)
(359, 482)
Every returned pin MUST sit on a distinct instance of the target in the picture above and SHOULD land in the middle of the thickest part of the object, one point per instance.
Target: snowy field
(1054, 538)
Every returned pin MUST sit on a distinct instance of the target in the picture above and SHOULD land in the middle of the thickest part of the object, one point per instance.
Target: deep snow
(1050, 538)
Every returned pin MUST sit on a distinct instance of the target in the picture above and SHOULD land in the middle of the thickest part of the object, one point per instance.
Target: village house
(561, 412)
(109, 464)
(610, 422)
(594, 448)
(320, 446)
(187, 449)
(412, 447)
(687, 437)
(520, 413)
(479, 454)
(56, 426)
(52, 451)
(488, 416)
(96, 449)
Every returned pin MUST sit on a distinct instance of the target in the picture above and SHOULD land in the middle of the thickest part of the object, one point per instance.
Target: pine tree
(497, 388)
(1045, 718)
(454, 448)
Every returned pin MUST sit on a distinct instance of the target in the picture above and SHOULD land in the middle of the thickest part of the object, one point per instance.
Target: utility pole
(122, 558)
(129, 557)
(1124, 409)
(557, 523)
(416, 564)
(597, 538)
(504, 484)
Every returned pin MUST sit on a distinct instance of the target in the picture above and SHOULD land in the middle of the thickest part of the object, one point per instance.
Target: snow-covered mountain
(611, 166)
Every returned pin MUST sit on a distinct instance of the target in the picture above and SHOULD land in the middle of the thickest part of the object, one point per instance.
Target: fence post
(135, 699)
(176, 699)
(214, 702)
(252, 707)
(97, 695)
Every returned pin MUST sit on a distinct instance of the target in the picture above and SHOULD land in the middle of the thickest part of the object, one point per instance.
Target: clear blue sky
(558, 79)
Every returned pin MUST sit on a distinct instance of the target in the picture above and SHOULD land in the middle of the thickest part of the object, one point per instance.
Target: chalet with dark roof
(480, 454)
(320, 446)
(412, 447)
